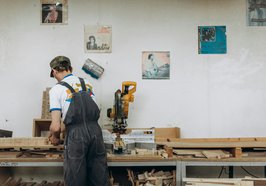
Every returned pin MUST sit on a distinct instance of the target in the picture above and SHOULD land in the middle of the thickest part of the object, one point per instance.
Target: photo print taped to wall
(97, 39)
(256, 12)
(212, 40)
(156, 65)
(54, 12)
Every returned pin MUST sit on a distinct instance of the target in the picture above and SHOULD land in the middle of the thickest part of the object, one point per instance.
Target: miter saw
(119, 112)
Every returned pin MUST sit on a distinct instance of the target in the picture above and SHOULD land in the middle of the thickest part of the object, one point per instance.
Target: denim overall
(85, 162)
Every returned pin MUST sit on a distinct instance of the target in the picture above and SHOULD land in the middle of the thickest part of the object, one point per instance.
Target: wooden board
(217, 182)
(215, 154)
(213, 144)
(27, 143)
(23, 141)
(7, 154)
(137, 158)
(189, 152)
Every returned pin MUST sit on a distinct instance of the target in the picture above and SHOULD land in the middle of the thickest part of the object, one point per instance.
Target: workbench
(179, 164)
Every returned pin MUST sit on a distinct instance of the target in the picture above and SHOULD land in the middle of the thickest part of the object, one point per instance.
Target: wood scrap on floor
(19, 182)
(152, 178)
(12, 182)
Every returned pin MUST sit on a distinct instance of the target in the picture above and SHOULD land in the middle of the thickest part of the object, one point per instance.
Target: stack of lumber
(18, 182)
(234, 145)
(224, 182)
(46, 104)
(152, 178)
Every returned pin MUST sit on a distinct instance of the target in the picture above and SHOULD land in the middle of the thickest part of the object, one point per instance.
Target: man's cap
(61, 62)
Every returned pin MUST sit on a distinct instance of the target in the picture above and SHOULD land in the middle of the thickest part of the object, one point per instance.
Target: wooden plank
(210, 144)
(199, 140)
(7, 154)
(215, 154)
(136, 158)
(219, 181)
(27, 143)
(23, 141)
(186, 152)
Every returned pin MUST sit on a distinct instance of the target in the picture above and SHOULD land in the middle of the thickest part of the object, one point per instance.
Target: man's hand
(55, 140)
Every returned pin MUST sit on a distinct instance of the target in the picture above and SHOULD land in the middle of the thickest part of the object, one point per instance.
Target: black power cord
(249, 172)
(222, 169)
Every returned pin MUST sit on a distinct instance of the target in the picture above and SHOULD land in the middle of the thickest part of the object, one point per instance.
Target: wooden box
(166, 134)
(41, 127)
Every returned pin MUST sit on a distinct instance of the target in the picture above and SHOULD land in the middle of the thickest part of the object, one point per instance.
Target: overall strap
(67, 85)
(82, 84)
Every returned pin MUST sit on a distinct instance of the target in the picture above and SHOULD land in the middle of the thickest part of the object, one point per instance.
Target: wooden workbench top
(121, 158)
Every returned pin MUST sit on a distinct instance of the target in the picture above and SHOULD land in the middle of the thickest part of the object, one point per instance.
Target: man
(72, 98)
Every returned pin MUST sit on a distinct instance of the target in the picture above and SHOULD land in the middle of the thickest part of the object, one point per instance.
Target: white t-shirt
(61, 96)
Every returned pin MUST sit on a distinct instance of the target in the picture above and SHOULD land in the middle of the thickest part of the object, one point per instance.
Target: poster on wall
(212, 40)
(256, 12)
(98, 39)
(54, 12)
(155, 65)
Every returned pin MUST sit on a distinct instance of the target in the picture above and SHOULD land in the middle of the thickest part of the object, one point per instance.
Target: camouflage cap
(59, 61)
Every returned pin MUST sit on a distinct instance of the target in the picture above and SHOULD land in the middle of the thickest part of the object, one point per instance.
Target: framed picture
(98, 39)
(212, 40)
(54, 12)
(256, 12)
(156, 65)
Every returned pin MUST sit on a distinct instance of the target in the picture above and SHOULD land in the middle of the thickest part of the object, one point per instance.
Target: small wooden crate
(167, 134)
(41, 127)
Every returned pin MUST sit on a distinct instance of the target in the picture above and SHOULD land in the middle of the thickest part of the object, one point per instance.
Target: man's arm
(55, 127)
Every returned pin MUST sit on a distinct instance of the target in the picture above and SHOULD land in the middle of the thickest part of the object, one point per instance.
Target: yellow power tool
(119, 112)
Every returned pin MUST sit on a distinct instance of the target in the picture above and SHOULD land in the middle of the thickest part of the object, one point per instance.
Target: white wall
(206, 96)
